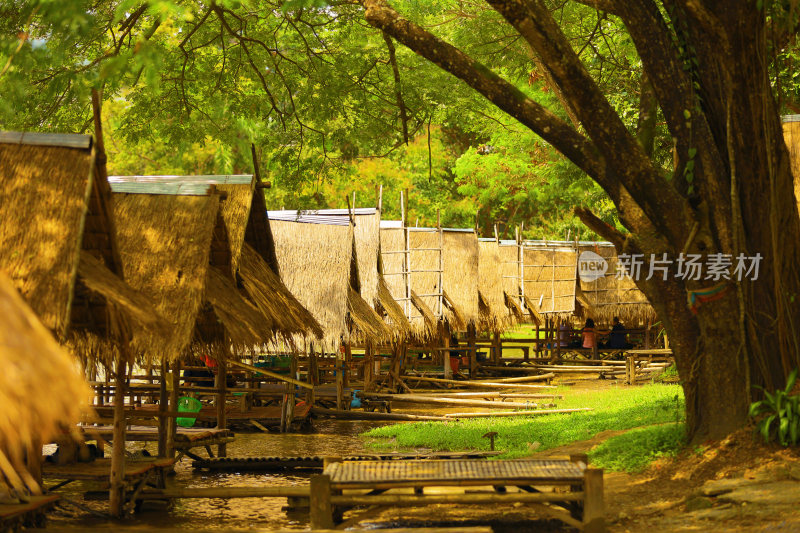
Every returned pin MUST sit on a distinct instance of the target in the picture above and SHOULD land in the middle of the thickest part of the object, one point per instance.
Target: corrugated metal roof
(389, 224)
(562, 244)
(790, 118)
(331, 217)
(66, 140)
(210, 179)
(486, 239)
(170, 188)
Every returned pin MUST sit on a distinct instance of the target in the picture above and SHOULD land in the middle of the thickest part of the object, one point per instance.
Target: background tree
(728, 190)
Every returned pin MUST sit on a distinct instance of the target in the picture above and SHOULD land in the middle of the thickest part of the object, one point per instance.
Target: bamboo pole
(366, 415)
(413, 398)
(482, 384)
(522, 379)
(278, 377)
(533, 412)
(489, 394)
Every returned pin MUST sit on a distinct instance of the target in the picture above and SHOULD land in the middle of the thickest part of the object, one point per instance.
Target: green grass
(634, 450)
(614, 409)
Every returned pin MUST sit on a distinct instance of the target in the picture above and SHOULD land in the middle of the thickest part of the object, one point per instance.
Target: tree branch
(397, 90)
(661, 203)
(605, 230)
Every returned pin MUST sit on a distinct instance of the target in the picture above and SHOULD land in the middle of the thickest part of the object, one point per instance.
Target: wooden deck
(267, 464)
(578, 503)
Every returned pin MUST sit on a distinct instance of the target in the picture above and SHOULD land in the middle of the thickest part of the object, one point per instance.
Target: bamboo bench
(580, 505)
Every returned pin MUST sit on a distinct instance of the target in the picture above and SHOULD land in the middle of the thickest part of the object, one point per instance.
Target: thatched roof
(495, 315)
(550, 278)
(607, 297)
(315, 264)
(239, 190)
(460, 254)
(366, 234)
(43, 204)
(267, 291)
(165, 245)
(41, 386)
(396, 318)
(55, 203)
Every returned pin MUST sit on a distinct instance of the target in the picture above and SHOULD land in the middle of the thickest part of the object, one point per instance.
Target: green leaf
(692, 152)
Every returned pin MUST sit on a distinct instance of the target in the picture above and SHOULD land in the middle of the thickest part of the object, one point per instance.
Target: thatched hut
(175, 248)
(508, 253)
(418, 320)
(550, 280)
(495, 314)
(37, 393)
(57, 239)
(610, 295)
(252, 255)
(460, 277)
(318, 263)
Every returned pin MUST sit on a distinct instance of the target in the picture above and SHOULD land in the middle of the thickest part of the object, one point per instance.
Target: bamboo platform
(581, 507)
(14, 517)
(137, 529)
(269, 464)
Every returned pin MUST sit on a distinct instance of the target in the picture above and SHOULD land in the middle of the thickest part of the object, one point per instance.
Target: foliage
(520, 436)
(634, 450)
(778, 414)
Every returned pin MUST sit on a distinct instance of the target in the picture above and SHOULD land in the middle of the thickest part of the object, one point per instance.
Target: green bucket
(187, 404)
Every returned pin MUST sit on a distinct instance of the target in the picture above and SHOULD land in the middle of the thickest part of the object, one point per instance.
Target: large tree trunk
(730, 190)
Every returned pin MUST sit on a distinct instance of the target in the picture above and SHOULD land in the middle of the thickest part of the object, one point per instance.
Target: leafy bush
(778, 414)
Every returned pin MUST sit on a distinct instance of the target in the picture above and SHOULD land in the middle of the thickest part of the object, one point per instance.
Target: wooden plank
(413, 398)
(366, 415)
(279, 377)
(402, 500)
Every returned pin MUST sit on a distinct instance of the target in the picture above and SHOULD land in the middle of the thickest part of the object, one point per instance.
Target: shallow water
(329, 437)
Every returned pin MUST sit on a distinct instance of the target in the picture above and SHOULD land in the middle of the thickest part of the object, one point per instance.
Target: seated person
(564, 335)
(589, 337)
(618, 338)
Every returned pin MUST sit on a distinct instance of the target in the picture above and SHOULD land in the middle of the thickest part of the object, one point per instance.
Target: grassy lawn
(614, 409)
(634, 450)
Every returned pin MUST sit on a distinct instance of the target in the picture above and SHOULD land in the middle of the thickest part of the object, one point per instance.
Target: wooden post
(348, 359)
(292, 391)
(369, 365)
(117, 477)
(163, 398)
(593, 504)
(313, 377)
(538, 344)
(284, 413)
(473, 350)
(445, 336)
(172, 431)
(558, 341)
(222, 393)
(321, 510)
(647, 335)
(339, 380)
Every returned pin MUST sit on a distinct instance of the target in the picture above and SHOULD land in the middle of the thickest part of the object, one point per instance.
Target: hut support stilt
(172, 426)
(339, 380)
(163, 399)
(117, 477)
(369, 365)
(222, 390)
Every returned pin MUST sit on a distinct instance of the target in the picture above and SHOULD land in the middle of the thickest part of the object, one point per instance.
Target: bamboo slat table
(581, 506)
(634, 356)
(138, 474)
(15, 517)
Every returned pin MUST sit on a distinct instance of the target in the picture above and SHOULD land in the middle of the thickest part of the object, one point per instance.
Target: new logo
(591, 266)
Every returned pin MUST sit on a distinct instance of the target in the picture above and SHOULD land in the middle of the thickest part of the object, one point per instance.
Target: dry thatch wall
(550, 280)
(273, 298)
(44, 192)
(314, 262)
(165, 243)
(495, 315)
(460, 251)
(424, 263)
(608, 296)
(509, 271)
(235, 210)
(40, 385)
(367, 236)
(392, 241)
